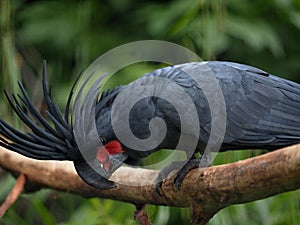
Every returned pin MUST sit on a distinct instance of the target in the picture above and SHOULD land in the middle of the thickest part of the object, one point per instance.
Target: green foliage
(71, 34)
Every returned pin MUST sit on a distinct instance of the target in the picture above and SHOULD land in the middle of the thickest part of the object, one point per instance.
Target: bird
(261, 111)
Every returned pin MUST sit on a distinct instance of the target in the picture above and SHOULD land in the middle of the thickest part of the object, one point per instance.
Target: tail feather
(54, 110)
(51, 137)
(28, 152)
(27, 104)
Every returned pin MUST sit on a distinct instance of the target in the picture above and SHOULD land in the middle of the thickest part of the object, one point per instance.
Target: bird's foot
(164, 173)
(202, 162)
(192, 164)
(184, 167)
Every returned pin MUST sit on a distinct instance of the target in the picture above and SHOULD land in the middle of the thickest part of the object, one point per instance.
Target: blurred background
(70, 35)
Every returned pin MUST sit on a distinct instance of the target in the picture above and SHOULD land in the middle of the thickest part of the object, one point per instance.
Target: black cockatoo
(262, 111)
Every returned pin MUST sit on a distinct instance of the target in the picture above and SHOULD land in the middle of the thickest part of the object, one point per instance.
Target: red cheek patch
(111, 148)
(114, 147)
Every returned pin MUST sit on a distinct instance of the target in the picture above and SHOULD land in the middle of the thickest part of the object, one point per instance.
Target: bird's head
(111, 156)
(97, 170)
(55, 137)
(110, 153)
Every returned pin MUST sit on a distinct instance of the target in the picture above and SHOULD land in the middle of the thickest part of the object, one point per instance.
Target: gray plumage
(262, 112)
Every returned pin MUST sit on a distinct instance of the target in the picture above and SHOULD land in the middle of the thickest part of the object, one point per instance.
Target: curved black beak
(88, 174)
(94, 172)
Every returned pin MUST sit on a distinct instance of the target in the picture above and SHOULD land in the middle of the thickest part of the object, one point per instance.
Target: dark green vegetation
(71, 34)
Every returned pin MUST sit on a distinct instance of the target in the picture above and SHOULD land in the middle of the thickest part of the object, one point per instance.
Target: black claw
(164, 173)
(184, 167)
(158, 185)
(192, 164)
(178, 180)
(202, 162)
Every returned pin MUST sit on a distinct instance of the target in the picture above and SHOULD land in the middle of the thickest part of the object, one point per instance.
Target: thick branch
(205, 190)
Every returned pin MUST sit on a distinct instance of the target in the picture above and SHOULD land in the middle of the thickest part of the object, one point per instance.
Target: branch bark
(204, 190)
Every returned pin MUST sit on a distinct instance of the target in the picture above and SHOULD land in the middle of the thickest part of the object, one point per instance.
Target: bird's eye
(103, 140)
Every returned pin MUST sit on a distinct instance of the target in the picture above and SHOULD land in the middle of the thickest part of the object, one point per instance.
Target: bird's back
(263, 111)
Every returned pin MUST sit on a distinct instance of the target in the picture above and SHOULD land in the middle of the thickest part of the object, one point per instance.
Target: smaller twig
(1, 173)
(13, 195)
(141, 216)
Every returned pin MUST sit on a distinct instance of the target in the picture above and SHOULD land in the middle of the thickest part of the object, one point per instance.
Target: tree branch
(13, 195)
(205, 190)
